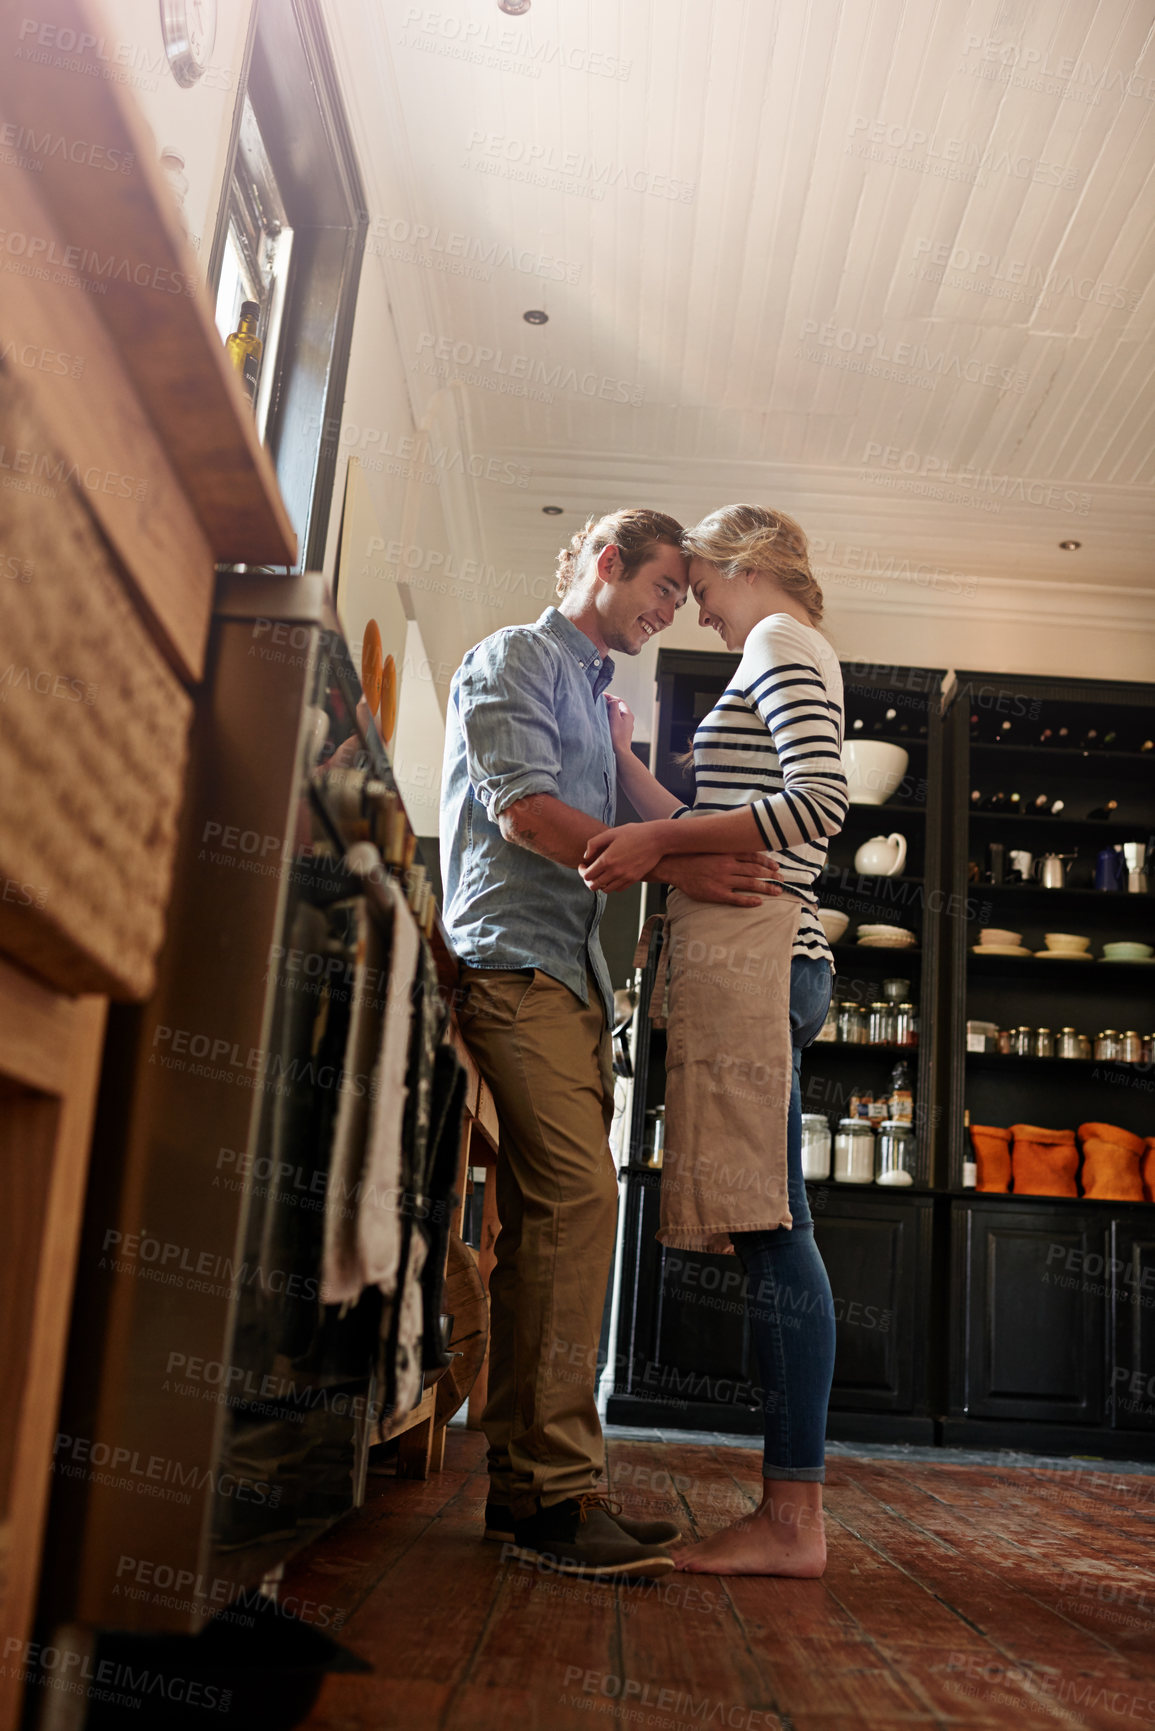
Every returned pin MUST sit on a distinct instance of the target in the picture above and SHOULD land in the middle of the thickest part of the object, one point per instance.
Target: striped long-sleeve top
(773, 741)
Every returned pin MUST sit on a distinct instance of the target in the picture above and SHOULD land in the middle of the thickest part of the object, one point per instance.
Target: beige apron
(729, 1066)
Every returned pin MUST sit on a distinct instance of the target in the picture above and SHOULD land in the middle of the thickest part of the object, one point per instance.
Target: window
(258, 245)
(290, 236)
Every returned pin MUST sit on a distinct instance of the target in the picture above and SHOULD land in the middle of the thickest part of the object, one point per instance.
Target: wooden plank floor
(972, 1596)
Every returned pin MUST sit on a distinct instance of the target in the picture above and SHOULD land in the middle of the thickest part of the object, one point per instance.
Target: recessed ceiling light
(535, 316)
(514, 7)
(1070, 546)
(551, 510)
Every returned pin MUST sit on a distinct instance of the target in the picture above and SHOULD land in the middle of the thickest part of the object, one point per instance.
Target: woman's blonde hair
(635, 532)
(754, 538)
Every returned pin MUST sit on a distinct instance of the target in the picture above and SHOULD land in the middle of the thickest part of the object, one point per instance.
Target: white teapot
(883, 856)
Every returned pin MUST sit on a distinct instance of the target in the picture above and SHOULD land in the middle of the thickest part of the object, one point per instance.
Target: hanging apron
(729, 1067)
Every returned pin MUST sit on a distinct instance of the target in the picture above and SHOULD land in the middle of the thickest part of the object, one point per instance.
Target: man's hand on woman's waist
(735, 880)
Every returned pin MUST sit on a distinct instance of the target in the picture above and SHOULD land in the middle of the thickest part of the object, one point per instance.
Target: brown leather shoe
(579, 1536)
(499, 1525)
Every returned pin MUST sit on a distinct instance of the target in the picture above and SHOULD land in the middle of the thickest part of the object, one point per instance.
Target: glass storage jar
(815, 1146)
(852, 1024)
(1044, 1043)
(853, 1152)
(905, 1025)
(829, 1029)
(880, 1027)
(654, 1137)
(1006, 1042)
(1131, 1047)
(1107, 1046)
(1068, 1046)
(1024, 1042)
(894, 1153)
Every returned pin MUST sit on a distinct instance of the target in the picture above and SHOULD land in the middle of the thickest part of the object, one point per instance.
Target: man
(529, 777)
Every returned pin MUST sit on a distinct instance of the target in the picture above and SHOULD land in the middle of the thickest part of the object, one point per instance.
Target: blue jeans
(788, 1298)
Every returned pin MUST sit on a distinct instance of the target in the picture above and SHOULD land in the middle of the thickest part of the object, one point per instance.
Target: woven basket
(93, 727)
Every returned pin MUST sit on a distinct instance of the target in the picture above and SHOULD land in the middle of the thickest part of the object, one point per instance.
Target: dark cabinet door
(682, 1346)
(1131, 1395)
(877, 1256)
(684, 1343)
(1030, 1284)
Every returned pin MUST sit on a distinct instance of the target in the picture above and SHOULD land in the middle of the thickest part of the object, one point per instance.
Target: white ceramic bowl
(1066, 941)
(833, 923)
(873, 769)
(992, 935)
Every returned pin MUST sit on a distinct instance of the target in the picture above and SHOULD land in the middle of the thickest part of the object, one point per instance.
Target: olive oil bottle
(244, 347)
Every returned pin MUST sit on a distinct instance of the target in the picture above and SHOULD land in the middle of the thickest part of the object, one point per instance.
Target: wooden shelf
(1078, 1067)
(864, 1049)
(856, 952)
(905, 742)
(879, 813)
(153, 304)
(1065, 756)
(1105, 827)
(832, 882)
(1081, 899)
(1030, 968)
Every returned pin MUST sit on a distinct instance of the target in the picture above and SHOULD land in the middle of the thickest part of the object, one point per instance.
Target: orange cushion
(1147, 1170)
(1111, 1133)
(1111, 1172)
(992, 1157)
(1045, 1168)
(1034, 1133)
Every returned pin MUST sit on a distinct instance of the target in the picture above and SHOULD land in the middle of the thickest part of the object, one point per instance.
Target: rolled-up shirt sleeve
(506, 702)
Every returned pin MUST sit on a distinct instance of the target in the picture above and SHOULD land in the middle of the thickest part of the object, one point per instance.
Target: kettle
(1051, 870)
(883, 856)
(1135, 859)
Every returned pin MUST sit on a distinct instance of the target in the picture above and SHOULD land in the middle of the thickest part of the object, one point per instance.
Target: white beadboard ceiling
(904, 289)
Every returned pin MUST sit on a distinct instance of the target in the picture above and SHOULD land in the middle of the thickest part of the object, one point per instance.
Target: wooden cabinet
(1131, 1391)
(685, 1358)
(1053, 1326)
(1031, 1325)
(877, 1251)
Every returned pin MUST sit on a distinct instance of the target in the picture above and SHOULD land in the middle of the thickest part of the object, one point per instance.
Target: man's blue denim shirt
(526, 715)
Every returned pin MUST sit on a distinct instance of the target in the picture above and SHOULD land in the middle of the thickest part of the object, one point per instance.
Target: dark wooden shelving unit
(682, 1350)
(1050, 1297)
(979, 1348)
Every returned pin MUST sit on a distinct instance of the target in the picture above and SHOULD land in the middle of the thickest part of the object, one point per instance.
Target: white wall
(196, 122)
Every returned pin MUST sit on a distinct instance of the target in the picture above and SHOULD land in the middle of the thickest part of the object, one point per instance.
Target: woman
(749, 988)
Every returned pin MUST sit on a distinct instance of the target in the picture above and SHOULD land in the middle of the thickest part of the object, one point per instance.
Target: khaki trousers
(547, 1060)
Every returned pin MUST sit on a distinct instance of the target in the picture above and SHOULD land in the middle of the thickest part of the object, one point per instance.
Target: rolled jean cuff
(797, 1475)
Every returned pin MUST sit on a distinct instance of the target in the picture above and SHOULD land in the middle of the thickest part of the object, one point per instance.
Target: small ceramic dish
(1065, 941)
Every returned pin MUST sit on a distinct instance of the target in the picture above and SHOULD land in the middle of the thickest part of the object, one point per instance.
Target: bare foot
(782, 1538)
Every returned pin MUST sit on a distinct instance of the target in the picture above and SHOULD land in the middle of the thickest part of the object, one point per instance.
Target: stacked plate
(1072, 946)
(886, 938)
(1125, 952)
(995, 942)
